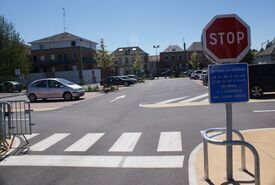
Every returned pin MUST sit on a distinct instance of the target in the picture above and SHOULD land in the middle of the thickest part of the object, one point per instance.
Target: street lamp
(156, 47)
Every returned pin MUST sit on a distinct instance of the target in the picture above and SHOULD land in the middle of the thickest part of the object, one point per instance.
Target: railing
(15, 119)
(209, 139)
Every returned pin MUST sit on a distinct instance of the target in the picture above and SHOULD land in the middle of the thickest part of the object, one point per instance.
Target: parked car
(118, 80)
(261, 79)
(10, 87)
(189, 72)
(54, 88)
(204, 72)
(196, 74)
(167, 73)
(133, 80)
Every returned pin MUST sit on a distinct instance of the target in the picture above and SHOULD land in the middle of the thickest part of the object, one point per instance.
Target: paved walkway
(262, 139)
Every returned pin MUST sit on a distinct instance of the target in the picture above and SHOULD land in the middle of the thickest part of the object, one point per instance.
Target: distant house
(63, 52)
(125, 57)
(202, 59)
(173, 57)
(266, 56)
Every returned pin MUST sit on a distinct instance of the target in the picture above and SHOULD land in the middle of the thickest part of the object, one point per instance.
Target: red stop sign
(226, 39)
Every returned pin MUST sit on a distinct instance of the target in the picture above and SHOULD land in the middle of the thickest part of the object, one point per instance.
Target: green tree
(194, 60)
(13, 52)
(250, 56)
(136, 66)
(104, 60)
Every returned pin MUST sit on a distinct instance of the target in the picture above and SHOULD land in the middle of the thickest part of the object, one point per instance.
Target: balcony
(68, 61)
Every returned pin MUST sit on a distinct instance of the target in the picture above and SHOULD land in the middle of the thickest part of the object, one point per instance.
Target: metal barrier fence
(4, 125)
(15, 119)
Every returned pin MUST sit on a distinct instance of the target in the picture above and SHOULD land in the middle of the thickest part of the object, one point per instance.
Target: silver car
(54, 88)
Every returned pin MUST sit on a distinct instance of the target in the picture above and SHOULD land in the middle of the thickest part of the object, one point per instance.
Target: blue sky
(141, 23)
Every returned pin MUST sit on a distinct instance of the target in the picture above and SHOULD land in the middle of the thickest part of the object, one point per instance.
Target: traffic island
(262, 139)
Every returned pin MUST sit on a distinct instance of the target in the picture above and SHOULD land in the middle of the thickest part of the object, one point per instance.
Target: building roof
(268, 51)
(195, 46)
(129, 51)
(65, 36)
(173, 48)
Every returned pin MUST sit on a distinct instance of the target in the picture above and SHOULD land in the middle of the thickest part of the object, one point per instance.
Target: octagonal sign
(226, 39)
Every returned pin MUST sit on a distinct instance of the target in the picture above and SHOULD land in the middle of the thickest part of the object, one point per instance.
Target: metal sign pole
(229, 151)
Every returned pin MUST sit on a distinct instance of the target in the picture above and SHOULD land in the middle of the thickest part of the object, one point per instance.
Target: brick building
(63, 52)
(173, 58)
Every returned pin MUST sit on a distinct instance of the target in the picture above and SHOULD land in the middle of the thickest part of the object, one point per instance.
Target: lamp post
(156, 47)
(81, 64)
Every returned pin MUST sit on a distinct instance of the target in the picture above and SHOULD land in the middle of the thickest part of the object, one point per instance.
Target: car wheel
(32, 98)
(67, 96)
(256, 91)
(126, 84)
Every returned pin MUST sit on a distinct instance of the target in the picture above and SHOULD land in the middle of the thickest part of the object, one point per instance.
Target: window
(180, 57)
(173, 49)
(126, 61)
(40, 84)
(54, 84)
(60, 57)
(173, 58)
(134, 49)
(166, 58)
(42, 58)
(34, 58)
(41, 46)
(72, 43)
(120, 49)
(52, 57)
(65, 56)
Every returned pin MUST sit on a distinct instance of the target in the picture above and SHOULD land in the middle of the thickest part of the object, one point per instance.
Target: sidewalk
(262, 139)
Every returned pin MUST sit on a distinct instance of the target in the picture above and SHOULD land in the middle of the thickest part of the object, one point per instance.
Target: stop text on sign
(227, 38)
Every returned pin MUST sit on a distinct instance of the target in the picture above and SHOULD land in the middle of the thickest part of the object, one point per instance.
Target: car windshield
(124, 77)
(66, 82)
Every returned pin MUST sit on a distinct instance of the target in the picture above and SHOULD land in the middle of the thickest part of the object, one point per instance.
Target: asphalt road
(130, 144)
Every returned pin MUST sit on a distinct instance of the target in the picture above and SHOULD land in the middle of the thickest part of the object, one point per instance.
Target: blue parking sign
(228, 83)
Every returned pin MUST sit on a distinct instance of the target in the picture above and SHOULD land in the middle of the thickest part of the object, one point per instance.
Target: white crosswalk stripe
(96, 161)
(48, 142)
(85, 142)
(194, 98)
(126, 142)
(170, 142)
(172, 100)
(30, 136)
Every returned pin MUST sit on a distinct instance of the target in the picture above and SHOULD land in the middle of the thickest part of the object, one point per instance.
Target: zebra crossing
(38, 154)
(201, 99)
(168, 142)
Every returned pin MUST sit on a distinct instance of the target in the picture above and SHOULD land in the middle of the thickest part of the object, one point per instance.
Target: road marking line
(195, 98)
(171, 100)
(170, 142)
(85, 142)
(153, 162)
(262, 111)
(48, 142)
(126, 142)
(95, 161)
(29, 136)
(117, 98)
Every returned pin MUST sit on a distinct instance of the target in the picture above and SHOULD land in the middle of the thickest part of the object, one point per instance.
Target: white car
(54, 88)
(196, 74)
